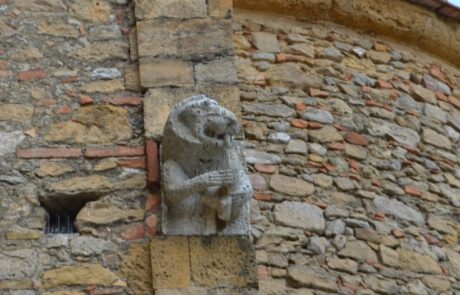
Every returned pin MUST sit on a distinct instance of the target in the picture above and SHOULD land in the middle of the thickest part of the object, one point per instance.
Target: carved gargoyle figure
(205, 189)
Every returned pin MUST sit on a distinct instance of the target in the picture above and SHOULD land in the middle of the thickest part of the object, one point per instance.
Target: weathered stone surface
(306, 276)
(416, 262)
(170, 260)
(256, 157)
(222, 261)
(165, 72)
(103, 214)
(103, 86)
(297, 146)
(18, 264)
(187, 291)
(403, 135)
(53, 169)
(159, 102)
(51, 6)
(91, 10)
(136, 268)
(331, 53)
(318, 115)
(326, 134)
(435, 113)
(93, 124)
(344, 265)
(291, 75)
(398, 210)
(16, 113)
(389, 256)
(220, 71)
(299, 215)
(148, 9)
(358, 250)
(205, 188)
(277, 110)
(379, 57)
(432, 137)
(185, 38)
(101, 51)
(453, 263)
(420, 93)
(453, 194)
(86, 246)
(291, 185)
(266, 42)
(57, 28)
(9, 141)
(78, 274)
(305, 49)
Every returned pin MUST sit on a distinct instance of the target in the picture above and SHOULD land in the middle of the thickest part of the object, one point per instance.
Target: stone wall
(71, 131)
(353, 144)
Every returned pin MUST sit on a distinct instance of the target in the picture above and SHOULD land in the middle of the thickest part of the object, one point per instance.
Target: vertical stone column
(185, 48)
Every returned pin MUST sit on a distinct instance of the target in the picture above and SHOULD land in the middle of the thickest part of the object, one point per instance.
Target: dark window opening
(60, 224)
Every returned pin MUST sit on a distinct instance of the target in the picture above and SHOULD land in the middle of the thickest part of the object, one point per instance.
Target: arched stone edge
(397, 19)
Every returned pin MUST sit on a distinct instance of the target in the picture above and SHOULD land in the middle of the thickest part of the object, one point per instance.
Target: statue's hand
(219, 178)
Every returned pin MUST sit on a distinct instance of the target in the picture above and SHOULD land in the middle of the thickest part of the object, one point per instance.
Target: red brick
(151, 225)
(356, 138)
(63, 110)
(299, 123)
(85, 100)
(413, 191)
(384, 84)
(379, 216)
(280, 58)
(138, 163)
(153, 201)
(314, 125)
(300, 106)
(153, 167)
(47, 153)
(135, 232)
(436, 72)
(318, 93)
(72, 79)
(336, 146)
(30, 75)
(262, 197)
(454, 101)
(268, 169)
(123, 100)
(441, 96)
(118, 151)
(6, 74)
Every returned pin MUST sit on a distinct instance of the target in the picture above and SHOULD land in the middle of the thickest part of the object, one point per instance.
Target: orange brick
(47, 153)
(31, 75)
(123, 100)
(153, 167)
(413, 191)
(356, 138)
(119, 151)
(153, 201)
(137, 163)
(299, 123)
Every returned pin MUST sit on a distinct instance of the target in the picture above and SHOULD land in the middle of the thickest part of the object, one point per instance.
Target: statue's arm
(178, 183)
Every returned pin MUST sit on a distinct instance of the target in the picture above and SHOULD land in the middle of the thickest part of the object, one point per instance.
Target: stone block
(220, 71)
(188, 38)
(220, 8)
(136, 268)
(16, 112)
(159, 102)
(163, 72)
(149, 9)
(78, 274)
(170, 263)
(222, 261)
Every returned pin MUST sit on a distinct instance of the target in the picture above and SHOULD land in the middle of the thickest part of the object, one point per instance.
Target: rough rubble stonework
(355, 171)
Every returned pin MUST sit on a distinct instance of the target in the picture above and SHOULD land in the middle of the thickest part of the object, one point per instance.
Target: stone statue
(205, 189)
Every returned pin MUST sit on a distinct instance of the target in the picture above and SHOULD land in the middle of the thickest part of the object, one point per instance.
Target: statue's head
(202, 120)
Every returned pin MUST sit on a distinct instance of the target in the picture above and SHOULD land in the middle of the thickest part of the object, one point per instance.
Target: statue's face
(216, 125)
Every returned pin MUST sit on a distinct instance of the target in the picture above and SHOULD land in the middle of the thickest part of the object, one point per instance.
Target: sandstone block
(57, 28)
(220, 8)
(291, 185)
(158, 73)
(16, 112)
(101, 214)
(170, 263)
(222, 261)
(221, 71)
(136, 268)
(101, 51)
(50, 6)
(78, 274)
(93, 124)
(416, 262)
(159, 102)
(188, 38)
(149, 9)
(91, 10)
